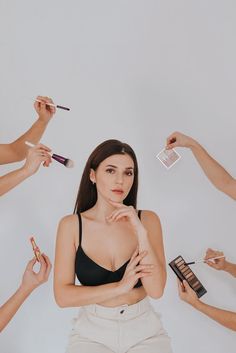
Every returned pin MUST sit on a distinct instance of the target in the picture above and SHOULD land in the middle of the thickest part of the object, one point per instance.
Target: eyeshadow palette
(183, 271)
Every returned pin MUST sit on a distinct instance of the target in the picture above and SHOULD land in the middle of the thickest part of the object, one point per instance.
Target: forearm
(8, 310)
(219, 177)
(223, 317)
(33, 135)
(77, 295)
(12, 179)
(230, 268)
(155, 283)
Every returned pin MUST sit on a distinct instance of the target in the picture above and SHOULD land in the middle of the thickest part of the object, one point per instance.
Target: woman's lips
(117, 191)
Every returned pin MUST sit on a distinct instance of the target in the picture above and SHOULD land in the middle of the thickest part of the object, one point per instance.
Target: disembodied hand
(217, 264)
(44, 111)
(186, 293)
(37, 155)
(177, 139)
(31, 279)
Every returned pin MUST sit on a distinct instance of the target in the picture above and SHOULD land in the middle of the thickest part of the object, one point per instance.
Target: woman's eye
(129, 173)
(110, 171)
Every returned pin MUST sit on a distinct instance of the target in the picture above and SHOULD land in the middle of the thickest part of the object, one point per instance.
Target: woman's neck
(102, 209)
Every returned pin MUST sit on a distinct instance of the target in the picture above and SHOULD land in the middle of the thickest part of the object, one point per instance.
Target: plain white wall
(133, 70)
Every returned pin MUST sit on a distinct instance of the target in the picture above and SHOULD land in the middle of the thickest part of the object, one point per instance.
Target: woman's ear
(92, 176)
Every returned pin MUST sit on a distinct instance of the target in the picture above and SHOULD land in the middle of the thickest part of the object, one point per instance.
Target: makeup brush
(63, 160)
(53, 105)
(202, 260)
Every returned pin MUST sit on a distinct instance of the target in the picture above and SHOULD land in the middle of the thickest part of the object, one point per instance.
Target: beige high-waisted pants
(124, 329)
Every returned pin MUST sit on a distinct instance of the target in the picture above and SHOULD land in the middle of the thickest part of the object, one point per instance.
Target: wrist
(193, 144)
(196, 304)
(119, 288)
(25, 290)
(25, 172)
(43, 121)
(228, 267)
(142, 234)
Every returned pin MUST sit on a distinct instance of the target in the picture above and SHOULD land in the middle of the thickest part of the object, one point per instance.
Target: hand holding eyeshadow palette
(184, 272)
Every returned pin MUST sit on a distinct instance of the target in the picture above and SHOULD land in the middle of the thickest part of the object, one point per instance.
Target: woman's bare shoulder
(149, 215)
(68, 223)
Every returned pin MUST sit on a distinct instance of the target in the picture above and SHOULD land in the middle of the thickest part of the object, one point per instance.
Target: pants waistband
(121, 311)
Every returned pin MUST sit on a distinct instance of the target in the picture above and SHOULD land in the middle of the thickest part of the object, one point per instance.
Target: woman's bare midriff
(130, 298)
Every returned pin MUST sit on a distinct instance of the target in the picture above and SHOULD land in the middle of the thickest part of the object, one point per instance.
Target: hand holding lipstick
(31, 279)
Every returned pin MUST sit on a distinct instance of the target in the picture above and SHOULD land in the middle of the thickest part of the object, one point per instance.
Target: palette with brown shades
(183, 271)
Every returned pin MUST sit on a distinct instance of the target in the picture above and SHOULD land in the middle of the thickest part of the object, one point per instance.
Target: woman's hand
(134, 271)
(186, 293)
(44, 111)
(127, 213)
(177, 139)
(31, 279)
(35, 157)
(217, 264)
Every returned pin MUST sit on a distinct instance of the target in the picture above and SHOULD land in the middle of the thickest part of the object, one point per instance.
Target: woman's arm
(150, 239)
(30, 281)
(67, 294)
(149, 236)
(17, 150)
(37, 155)
(223, 317)
(220, 264)
(217, 175)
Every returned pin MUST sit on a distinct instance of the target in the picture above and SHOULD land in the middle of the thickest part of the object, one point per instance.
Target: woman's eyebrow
(114, 166)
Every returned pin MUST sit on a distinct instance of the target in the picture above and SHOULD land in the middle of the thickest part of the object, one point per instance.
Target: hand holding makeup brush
(44, 111)
(37, 155)
(217, 264)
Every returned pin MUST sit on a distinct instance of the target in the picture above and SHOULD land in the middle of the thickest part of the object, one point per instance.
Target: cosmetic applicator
(204, 260)
(53, 105)
(63, 160)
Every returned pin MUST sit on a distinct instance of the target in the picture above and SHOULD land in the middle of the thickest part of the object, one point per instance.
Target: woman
(117, 254)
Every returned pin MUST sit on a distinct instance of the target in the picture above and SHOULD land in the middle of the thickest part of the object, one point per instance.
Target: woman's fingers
(136, 252)
(137, 259)
(144, 267)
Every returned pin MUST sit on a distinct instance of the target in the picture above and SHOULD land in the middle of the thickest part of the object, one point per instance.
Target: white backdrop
(133, 70)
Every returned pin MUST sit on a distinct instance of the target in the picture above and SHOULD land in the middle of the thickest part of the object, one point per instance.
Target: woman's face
(114, 177)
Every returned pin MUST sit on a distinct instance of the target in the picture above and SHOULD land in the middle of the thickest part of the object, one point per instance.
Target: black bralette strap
(80, 229)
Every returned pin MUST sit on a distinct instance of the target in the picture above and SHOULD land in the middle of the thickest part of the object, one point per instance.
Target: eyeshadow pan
(183, 271)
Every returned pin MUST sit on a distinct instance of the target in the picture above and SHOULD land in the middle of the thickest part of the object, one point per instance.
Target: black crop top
(89, 273)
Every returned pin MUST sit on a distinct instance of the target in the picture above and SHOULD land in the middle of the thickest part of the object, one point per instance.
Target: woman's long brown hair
(87, 194)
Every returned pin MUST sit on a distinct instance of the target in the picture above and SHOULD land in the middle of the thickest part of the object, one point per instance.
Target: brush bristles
(69, 163)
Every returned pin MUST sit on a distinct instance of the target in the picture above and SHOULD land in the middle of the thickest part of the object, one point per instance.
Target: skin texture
(187, 294)
(30, 281)
(14, 152)
(112, 234)
(17, 150)
(217, 175)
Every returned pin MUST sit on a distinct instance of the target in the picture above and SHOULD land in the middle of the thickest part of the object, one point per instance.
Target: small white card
(168, 157)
